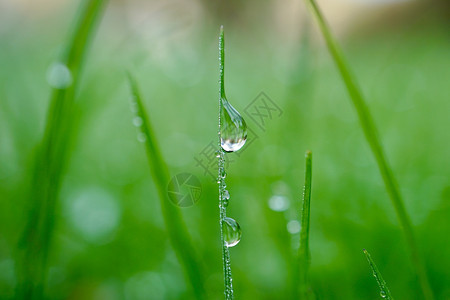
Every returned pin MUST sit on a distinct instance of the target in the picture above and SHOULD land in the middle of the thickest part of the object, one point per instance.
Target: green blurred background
(110, 241)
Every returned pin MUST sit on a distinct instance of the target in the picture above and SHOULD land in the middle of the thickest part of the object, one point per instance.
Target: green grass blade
(178, 234)
(300, 276)
(384, 291)
(371, 134)
(50, 160)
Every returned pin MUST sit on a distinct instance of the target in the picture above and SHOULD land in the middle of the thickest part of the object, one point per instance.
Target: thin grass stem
(371, 134)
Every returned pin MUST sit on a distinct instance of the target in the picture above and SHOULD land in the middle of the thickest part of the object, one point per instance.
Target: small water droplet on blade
(59, 76)
(383, 294)
(233, 128)
(293, 226)
(278, 203)
(231, 232)
(137, 121)
(226, 194)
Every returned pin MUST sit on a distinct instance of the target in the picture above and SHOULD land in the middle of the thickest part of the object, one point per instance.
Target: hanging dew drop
(231, 232)
(226, 194)
(233, 128)
(383, 294)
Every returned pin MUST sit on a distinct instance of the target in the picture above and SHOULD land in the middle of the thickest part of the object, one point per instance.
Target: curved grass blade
(300, 276)
(371, 134)
(384, 291)
(50, 160)
(178, 235)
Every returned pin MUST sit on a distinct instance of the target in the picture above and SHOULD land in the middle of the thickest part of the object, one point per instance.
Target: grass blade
(176, 228)
(226, 258)
(384, 291)
(300, 277)
(50, 161)
(371, 135)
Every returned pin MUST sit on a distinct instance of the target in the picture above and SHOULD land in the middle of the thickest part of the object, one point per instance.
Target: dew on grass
(142, 137)
(137, 121)
(231, 232)
(59, 76)
(383, 294)
(145, 285)
(233, 133)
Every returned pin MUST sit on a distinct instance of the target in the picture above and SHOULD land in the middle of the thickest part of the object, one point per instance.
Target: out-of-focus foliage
(110, 240)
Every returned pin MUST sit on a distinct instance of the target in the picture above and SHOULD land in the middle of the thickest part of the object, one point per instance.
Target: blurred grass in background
(110, 240)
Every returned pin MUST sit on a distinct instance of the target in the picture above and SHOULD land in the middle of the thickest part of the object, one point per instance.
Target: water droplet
(293, 226)
(134, 106)
(59, 76)
(226, 194)
(383, 294)
(233, 128)
(231, 232)
(278, 203)
(137, 121)
(142, 137)
(94, 213)
(223, 174)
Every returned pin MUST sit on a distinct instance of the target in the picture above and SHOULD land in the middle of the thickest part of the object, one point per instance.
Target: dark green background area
(110, 241)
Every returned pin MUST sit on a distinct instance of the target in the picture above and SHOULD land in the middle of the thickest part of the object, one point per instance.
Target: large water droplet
(231, 232)
(233, 128)
(383, 294)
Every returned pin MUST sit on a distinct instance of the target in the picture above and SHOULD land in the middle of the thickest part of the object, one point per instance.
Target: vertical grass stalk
(384, 291)
(371, 135)
(228, 281)
(178, 234)
(50, 161)
(300, 276)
